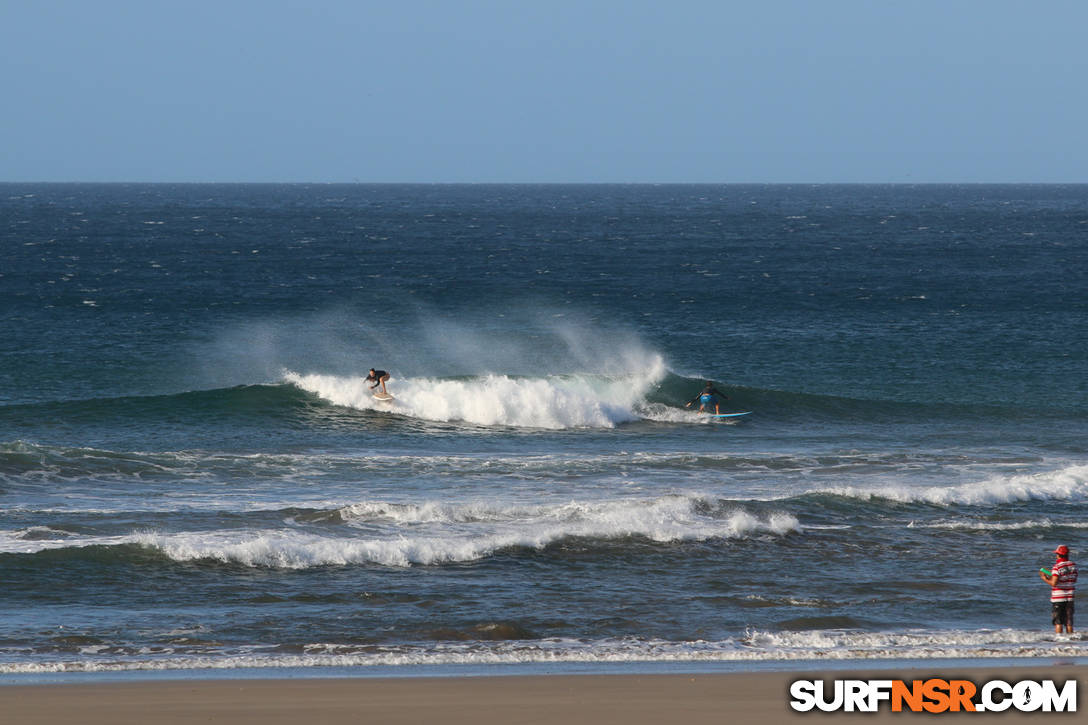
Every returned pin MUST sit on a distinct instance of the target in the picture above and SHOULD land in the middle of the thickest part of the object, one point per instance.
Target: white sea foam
(434, 533)
(1001, 526)
(31, 541)
(431, 533)
(1069, 483)
(755, 646)
(554, 402)
(668, 518)
(840, 644)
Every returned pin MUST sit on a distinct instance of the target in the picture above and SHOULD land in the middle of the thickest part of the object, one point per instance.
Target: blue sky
(544, 91)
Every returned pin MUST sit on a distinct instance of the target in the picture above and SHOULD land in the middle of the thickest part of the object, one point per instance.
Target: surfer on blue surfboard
(706, 397)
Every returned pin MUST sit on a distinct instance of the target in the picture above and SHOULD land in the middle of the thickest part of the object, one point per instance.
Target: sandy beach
(601, 699)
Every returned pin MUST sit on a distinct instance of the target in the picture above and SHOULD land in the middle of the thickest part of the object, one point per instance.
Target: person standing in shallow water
(1063, 584)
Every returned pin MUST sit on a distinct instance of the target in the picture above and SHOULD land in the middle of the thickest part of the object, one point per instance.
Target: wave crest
(430, 533)
(1066, 484)
(435, 533)
(554, 402)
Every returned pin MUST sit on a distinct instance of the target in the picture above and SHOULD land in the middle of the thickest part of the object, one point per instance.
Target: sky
(544, 91)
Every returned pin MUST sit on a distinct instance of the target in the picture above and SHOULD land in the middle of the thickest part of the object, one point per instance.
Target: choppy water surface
(194, 474)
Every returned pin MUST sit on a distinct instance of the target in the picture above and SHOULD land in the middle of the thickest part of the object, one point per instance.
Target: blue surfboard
(729, 415)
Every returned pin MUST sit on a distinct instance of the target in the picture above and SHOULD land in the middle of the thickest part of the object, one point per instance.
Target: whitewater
(493, 400)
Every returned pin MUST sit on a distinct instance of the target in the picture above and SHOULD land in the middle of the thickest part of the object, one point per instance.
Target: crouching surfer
(378, 377)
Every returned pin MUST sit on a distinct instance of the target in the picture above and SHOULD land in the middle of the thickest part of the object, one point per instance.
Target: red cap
(1063, 550)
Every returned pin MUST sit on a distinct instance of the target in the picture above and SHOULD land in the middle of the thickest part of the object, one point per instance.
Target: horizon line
(553, 183)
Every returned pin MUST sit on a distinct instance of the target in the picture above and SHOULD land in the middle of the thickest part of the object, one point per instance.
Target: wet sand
(672, 699)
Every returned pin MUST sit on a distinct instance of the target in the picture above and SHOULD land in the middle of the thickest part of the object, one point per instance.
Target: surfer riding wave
(378, 377)
(551, 402)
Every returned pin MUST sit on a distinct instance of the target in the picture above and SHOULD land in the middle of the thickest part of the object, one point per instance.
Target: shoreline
(631, 698)
(531, 669)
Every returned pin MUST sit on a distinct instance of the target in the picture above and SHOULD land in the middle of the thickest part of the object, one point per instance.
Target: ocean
(195, 477)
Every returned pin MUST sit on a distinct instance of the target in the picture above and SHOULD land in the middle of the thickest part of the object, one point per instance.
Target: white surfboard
(383, 396)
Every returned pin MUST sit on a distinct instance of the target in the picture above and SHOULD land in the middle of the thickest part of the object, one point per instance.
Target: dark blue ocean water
(193, 472)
